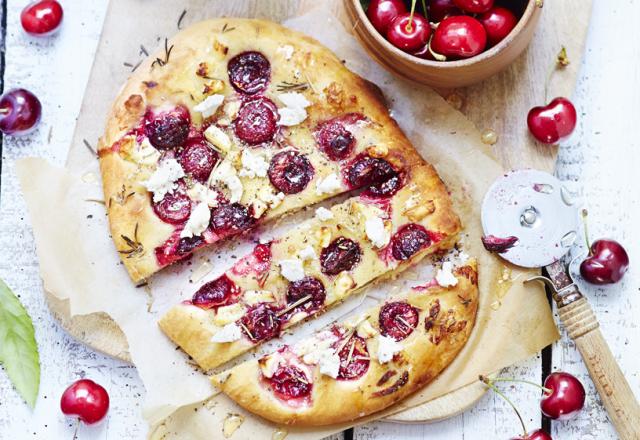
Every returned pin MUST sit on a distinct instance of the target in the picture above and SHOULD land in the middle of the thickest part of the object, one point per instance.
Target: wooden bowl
(446, 74)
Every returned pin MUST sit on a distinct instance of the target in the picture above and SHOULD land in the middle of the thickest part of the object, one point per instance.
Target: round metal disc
(534, 207)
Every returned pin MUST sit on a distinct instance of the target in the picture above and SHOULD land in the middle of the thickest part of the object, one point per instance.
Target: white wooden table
(603, 156)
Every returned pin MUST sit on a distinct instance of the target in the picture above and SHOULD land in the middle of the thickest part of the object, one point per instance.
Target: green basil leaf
(18, 349)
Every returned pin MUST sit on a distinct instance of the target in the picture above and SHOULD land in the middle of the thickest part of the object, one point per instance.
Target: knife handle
(615, 392)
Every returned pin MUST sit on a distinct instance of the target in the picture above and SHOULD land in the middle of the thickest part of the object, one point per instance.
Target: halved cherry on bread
(398, 319)
(261, 322)
(174, 208)
(249, 72)
(198, 158)
(354, 358)
(367, 171)
(220, 292)
(256, 122)
(341, 255)
(409, 239)
(290, 171)
(231, 218)
(290, 382)
(308, 287)
(167, 129)
(335, 140)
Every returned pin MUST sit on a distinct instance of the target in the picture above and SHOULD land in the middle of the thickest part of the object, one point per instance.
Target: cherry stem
(495, 389)
(409, 26)
(510, 379)
(75, 431)
(585, 213)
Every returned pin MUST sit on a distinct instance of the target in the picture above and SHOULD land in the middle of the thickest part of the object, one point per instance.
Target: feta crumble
(329, 363)
(307, 253)
(294, 111)
(376, 232)
(202, 193)
(163, 179)
(198, 221)
(328, 185)
(226, 174)
(209, 106)
(387, 347)
(253, 164)
(445, 277)
(229, 333)
(287, 51)
(292, 269)
(324, 214)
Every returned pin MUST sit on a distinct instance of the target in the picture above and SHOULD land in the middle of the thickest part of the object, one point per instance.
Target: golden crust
(431, 347)
(332, 89)
(192, 328)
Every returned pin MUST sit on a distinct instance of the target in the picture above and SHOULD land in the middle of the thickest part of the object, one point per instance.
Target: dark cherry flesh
(220, 292)
(368, 171)
(538, 434)
(335, 140)
(398, 319)
(290, 172)
(256, 122)
(228, 219)
(354, 359)
(474, 6)
(42, 18)
(85, 400)
(261, 322)
(607, 262)
(249, 72)
(385, 189)
(289, 382)
(441, 9)
(553, 122)
(308, 286)
(409, 32)
(459, 37)
(498, 22)
(174, 208)
(409, 240)
(20, 112)
(167, 129)
(186, 245)
(498, 244)
(198, 159)
(341, 255)
(566, 398)
(382, 12)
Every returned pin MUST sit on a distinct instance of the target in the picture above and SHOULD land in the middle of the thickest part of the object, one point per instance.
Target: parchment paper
(79, 263)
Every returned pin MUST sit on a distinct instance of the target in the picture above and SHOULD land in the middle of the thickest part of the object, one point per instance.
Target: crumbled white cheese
(226, 174)
(198, 221)
(366, 330)
(270, 364)
(329, 363)
(294, 111)
(387, 347)
(266, 194)
(218, 139)
(292, 269)
(202, 193)
(445, 276)
(253, 164)
(324, 214)
(229, 333)
(329, 184)
(144, 153)
(252, 297)
(376, 232)
(307, 253)
(210, 105)
(228, 314)
(162, 181)
(287, 51)
(463, 257)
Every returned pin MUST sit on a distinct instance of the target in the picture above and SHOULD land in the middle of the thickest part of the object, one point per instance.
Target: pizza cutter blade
(538, 210)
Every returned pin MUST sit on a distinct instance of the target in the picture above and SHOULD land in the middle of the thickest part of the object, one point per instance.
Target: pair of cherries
(457, 34)
(20, 110)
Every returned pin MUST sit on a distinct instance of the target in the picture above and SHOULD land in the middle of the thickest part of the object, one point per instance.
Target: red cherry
(566, 398)
(498, 22)
(474, 6)
(382, 12)
(553, 122)
(607, 263)
(85, 399)
(20, 111)
(41, 18)
(538, 434)
(409, 33)
(441, 9)
(459, 37)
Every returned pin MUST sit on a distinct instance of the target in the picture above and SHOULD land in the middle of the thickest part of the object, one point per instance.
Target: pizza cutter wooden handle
(614, 390)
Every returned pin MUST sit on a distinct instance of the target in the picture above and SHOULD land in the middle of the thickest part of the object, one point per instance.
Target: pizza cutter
(531, 219)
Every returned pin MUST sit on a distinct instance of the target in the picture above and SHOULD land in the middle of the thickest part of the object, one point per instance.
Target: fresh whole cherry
(606, 264)
(41, 18)
(538, 434)
(565, 397)
(498, 22)
(441, 9)
(409, 32)
(382, 12)
(20, 111)
(459, 37)
(474, 6)
(553, 122)
(86, 400)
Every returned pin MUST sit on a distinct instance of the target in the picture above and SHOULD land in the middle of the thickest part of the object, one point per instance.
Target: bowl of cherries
(444, 43)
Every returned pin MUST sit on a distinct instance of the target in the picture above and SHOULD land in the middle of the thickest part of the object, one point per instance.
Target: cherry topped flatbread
(234, 123)
(365, 364)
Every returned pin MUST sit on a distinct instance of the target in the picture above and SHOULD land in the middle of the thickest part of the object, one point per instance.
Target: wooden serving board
(500, 104)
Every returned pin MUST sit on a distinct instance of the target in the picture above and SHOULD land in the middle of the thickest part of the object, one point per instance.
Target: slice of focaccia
(365, 364)
(233, 123)
(316, 264)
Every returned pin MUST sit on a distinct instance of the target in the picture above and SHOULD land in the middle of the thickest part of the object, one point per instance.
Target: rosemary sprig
(226, 28)
(286, 86)
(167, 54)
(184, 12)
(89, 147)
(135, 247)
(292, 306)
